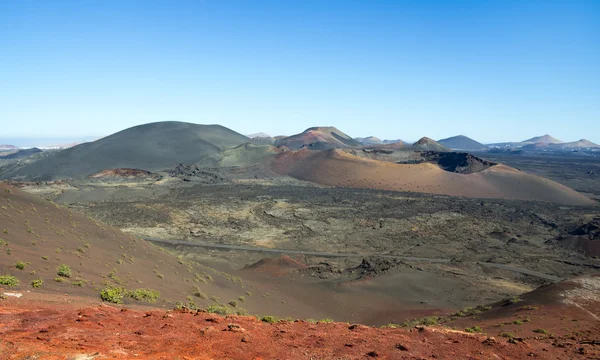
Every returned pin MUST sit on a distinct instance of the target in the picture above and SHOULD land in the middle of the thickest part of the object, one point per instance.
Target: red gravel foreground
(37, 330)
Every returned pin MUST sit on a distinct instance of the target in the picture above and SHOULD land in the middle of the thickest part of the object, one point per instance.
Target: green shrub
(21, 265)
(241, 311)
(60, 279)
(113, 295)
(233, 303)
(218, 309)
(390, 326)
(64, 271)
(37, 283)
(44, 257)
(147, 295)
(541, 331)
(270, 319)
(506, 334)
(197, 292)
(9, 280)
(473, 329)
(518, 322)
(326, 321)
(242, 299)
(428, 321)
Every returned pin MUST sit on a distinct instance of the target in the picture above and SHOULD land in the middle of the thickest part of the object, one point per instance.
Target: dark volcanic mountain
(151, 147)
(318, 138)
(462, 142)
(21, 153)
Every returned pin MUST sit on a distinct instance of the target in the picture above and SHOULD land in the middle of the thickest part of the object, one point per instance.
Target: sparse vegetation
(325, 321)
(219, 309)
(113, 295)
(60, 279)
(64, 271)
(428, 321)
(147, 295)
(197, 292)
(242, 299)
(233, 303)
(21, 265)
(9, 280)
(473, 329)
(37, 283)
(541, 331)
(270, 319)
(507, 334)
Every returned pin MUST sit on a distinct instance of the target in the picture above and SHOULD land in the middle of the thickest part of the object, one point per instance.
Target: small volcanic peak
(544, 139)
(425, 140)
(462, 142)
(582, 143)
(123, 173)
(318, 138)
(427, 144)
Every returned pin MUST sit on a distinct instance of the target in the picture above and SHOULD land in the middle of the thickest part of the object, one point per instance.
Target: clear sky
(492, 70)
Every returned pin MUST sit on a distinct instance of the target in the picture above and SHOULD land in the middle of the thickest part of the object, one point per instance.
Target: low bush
(9, 280)
(113, 295)
(270, 319)
(37, 283)
(147, 295)
(219, 309)
(20, 265)
(64, 271)
(473, 329)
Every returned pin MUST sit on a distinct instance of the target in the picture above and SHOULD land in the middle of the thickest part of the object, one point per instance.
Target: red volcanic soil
(34, 329)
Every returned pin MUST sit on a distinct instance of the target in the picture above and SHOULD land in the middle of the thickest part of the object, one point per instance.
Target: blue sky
(492, 70)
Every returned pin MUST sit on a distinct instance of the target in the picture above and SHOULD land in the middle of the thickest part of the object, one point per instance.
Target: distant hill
(151, 147)
(462, 142)
(21, 153)
(258, 135)
(318, 138)
(580, 144)
(396, 141)
(337, 167)
(544, 139)
(427, 144)
(8, 147)
(369, 140)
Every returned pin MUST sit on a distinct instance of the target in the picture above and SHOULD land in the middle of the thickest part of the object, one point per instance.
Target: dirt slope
(339, 168)
(43, 237)
(151, 147)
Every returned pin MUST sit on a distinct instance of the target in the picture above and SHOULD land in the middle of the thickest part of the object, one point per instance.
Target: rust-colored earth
(45, 326)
